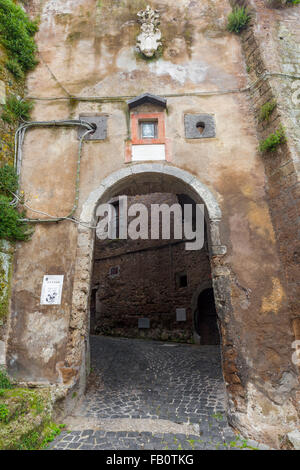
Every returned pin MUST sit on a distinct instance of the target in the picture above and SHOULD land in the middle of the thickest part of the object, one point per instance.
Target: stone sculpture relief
(148, 41)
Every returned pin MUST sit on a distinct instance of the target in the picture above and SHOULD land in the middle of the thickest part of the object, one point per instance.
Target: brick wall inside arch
(136, 279)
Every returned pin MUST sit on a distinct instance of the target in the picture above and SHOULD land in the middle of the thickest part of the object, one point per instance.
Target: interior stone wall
(146, 285)
(271, 48)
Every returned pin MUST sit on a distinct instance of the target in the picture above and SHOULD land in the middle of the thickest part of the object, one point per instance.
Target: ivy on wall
(12, 226)
(16, 35)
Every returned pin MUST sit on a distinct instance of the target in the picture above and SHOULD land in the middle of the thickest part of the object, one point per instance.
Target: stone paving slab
(152, 426)
(144, 379)
(91, 440)
(145, 395)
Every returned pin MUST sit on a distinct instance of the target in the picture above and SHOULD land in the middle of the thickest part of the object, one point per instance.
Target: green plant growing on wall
(8, 180)
(238, 19)
(15, 68)
(51, 431)
(12, 225)
(16, 35)
(5, 382)
(156, 56)
(16, 110)
(266, 110)
(271, 143)
(25, 419)
(4, 412)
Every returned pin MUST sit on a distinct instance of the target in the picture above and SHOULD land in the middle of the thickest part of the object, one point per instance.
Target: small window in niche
(148, 129)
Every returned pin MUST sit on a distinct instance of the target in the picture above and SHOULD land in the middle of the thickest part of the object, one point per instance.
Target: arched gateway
(137, 179)
(191, 116)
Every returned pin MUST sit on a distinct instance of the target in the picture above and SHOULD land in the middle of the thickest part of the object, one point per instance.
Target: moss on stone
(188, 33)
(125, 109)
(74, 36)
(266, 110)
(142, 57)
(28, 424)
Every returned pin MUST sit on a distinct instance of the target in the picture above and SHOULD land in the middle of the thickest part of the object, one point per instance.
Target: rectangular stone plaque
(144, 323)
(142, 153)
(101, 123)
(52, 290)
(180, 314)
(199, 126)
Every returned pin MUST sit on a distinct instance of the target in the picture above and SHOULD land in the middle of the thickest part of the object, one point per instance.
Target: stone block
(101, 129)
(144, 323)
(199, 126)
(294, 438)
(180, 314)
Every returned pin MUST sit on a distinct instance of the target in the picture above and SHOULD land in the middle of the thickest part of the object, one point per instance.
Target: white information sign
(52, 290)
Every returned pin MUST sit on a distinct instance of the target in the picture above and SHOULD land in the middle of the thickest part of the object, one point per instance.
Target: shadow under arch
(141, 178)
(205, 318)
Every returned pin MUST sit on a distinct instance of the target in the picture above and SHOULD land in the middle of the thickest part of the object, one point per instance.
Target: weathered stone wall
(272, 47)
(9, 85)
(89, 65)
(147, 284)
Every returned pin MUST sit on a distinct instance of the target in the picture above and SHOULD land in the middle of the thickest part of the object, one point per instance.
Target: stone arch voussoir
(162, 175)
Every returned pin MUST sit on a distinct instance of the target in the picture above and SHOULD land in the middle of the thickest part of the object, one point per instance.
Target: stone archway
(155, 177)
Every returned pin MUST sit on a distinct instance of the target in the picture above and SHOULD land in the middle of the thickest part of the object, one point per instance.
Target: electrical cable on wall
(19, 140)
(21, 131)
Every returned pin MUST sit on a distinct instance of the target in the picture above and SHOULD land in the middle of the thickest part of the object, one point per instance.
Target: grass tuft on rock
(238, 19)
(266, 110)
(16, 110)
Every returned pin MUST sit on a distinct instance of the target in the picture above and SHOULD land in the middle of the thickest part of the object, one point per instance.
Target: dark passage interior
(144, 288)
(206, 320)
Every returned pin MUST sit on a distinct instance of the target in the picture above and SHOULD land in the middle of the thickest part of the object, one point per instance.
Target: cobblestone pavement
(156, 384)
